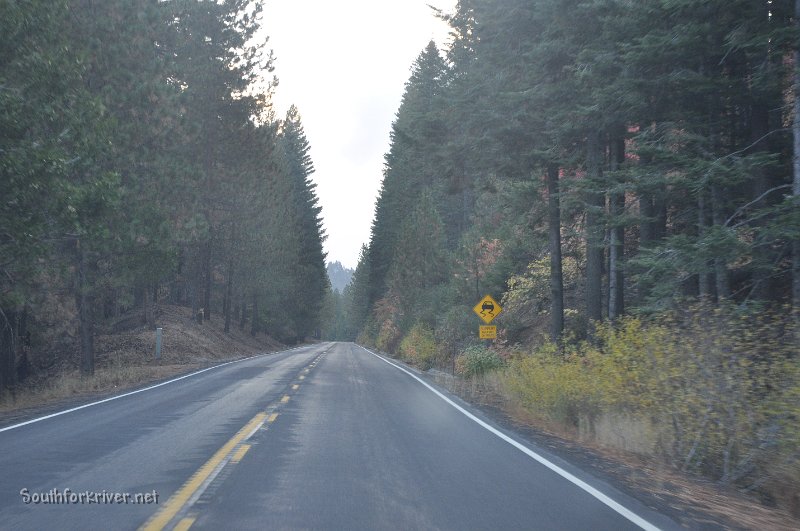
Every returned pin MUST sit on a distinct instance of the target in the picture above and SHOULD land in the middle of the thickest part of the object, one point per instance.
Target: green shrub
(477, 360)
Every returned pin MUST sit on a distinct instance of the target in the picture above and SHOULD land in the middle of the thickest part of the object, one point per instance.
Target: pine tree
(41, 116)
(217, 62)
(420, 261)
(710, 150)
(411, 163)
(796, 165)
(357, 302)
(310, 279)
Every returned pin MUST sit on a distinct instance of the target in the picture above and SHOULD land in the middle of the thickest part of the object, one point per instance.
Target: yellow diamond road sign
(487, 309)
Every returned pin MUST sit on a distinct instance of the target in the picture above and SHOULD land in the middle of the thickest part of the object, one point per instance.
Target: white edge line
(623, 511)
(109, 399)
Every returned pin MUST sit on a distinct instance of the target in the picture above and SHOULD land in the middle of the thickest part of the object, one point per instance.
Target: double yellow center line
(232, 451)
(206, 473)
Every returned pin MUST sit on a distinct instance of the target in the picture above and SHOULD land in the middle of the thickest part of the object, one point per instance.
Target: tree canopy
(647, 145)
(140, 161)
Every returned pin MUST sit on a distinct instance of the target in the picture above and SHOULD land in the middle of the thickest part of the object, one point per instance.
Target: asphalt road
(329, 436)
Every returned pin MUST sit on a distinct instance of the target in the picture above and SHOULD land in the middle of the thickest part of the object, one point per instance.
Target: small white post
(158, 343)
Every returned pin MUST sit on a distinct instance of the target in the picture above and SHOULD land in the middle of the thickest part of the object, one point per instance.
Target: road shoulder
(691, 502)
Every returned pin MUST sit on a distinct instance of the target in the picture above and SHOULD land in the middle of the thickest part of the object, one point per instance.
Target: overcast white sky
(344, 64)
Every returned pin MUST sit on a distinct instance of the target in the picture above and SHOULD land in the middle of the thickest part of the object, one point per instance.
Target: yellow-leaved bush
(721, 386)
(419, 346)
(554, 384)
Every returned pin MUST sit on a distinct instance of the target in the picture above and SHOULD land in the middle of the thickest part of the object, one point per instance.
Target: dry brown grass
(72, 385)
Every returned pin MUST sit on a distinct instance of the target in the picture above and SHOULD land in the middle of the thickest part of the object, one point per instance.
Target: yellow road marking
(240, 453)
(301, 377)
(295, 387)
(272, 417)
(179, 499)
(284, 399)
(184, 524)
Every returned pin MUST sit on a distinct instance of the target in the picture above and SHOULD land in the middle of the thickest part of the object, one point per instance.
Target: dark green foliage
(37, 138)
(304, 228)
(477, 360)
(411, 164)
(357, 295)
(137, 153)
(420, 262)
(661, 128)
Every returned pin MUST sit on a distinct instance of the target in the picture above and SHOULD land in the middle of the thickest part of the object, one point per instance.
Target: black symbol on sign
(487, 307)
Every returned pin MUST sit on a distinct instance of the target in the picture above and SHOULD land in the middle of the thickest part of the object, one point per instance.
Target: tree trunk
(176, 287)
(243, 318)
(23, 343)
(149, 318)
(228, 296)
(796, 168)
(660, 213)
(138, 296)
(616, 274)
(594, 233)
(195, 281)
(115, 305)
(720, 267)
(8, 348)
(647, 213)
(703, 280)
(145, 306)
(85, 314)
(255, 320)
(208, 282)
(556, 272)
(652, 210)
(765, 257)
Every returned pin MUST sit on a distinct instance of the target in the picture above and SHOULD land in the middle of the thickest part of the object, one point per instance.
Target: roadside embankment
(126, 360)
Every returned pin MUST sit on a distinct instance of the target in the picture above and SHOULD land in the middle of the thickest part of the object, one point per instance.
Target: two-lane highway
(148, 441)
(324, 437)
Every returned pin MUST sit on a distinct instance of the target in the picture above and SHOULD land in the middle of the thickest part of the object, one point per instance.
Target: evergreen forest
(636, 154)
(623, 178)
(141, 162)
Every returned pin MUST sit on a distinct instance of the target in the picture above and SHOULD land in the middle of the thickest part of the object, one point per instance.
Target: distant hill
(340, 276)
